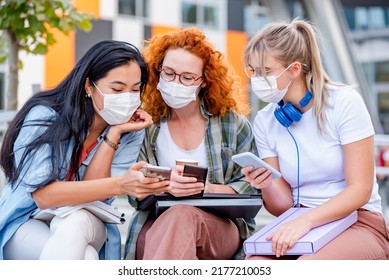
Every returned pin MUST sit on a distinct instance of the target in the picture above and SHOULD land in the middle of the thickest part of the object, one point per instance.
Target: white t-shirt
(321, 174)
(168, 151)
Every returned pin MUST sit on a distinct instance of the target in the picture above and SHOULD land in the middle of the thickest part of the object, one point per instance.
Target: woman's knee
(78, 222)
(28, 241)
(182, 213)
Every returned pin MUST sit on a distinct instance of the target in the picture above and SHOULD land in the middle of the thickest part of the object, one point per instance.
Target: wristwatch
(110, 143)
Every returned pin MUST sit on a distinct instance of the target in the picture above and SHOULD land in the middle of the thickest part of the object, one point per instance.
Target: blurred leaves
(28, 22)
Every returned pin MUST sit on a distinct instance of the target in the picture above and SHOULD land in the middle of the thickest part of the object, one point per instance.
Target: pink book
(307, 244)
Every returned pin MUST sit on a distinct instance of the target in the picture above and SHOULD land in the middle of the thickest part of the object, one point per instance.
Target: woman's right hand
(134, 183)
(183, 185)
(259, 178)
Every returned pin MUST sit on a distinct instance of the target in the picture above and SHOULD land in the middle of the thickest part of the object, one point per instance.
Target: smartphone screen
(160, 172)
(247, 158)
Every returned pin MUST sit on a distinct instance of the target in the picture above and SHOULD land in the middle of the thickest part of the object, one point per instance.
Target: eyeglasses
(256, 71)
(187, 79)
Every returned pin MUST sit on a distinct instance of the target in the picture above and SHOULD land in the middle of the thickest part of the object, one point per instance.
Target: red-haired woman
(195, 101)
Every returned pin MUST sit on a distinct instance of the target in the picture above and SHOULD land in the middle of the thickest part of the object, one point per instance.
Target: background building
(369, 25)
(355, 39)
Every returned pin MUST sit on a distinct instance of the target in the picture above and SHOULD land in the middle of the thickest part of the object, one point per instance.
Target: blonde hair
(223, 89)
(288, 43)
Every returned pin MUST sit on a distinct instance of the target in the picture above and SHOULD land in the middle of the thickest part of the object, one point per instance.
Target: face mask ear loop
(102, 94)
(93, 101)
(283, 71)
(287, 86)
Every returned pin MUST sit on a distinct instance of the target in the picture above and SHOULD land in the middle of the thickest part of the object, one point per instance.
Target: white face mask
(176, 95)
(118, 108)
(267, 90)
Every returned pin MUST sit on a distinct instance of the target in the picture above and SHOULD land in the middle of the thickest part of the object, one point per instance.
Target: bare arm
(100, 165)
(359, 174)
(218, 188)
(72, 193)
(276, 194)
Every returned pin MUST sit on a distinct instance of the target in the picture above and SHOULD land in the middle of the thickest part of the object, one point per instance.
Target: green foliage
(3, 55)
(27, 22)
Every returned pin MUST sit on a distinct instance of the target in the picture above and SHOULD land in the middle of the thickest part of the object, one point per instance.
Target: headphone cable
(298, 169)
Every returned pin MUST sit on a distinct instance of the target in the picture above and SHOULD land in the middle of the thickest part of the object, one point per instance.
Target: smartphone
(247, 159)
(160, 172)
(199, 172)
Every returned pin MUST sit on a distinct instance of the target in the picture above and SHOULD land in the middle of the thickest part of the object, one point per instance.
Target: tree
(26, 25)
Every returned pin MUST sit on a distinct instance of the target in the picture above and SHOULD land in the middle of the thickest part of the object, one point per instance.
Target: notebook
(105, 212)
(221, 204)
(310, 243)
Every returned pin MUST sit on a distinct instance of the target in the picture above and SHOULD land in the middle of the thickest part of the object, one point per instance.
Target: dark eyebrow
(124, 84)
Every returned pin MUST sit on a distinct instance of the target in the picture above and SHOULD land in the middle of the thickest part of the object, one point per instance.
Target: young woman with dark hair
(74, 144)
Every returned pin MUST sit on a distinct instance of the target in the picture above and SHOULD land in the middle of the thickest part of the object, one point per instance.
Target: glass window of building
(127, 7)
(255, 17)
(189, 13)
(367, 18)
(377, 18)
(210, 16)
(136, 8)
(382, 72)
(201, 13)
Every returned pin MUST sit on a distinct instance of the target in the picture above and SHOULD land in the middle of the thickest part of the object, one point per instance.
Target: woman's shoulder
(234, 117)
(40, 112)
(267, 111)
(345, 93)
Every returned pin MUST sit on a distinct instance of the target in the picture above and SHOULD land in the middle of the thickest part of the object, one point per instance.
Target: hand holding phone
(199, 172)
(247, 159)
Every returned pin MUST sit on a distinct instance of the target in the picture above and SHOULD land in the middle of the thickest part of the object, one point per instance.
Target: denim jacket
(16, 202)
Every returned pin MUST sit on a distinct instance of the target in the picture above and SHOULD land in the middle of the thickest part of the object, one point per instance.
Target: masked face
(267, 90)
(177, 95)
(118, 108)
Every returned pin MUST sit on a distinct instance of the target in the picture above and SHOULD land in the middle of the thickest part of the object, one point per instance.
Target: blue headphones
(288, 113)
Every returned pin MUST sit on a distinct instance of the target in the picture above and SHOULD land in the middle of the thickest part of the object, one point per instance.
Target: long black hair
(75, 112)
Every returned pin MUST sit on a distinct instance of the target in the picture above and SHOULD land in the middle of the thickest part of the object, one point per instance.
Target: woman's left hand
(287, 235)
(139, 120)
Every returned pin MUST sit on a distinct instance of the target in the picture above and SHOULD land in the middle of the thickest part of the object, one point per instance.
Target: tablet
(247, 159)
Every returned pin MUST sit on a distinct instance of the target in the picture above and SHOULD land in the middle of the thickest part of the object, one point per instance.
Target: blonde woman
(320, 136)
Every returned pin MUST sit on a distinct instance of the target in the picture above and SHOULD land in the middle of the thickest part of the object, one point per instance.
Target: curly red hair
(223, 89)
